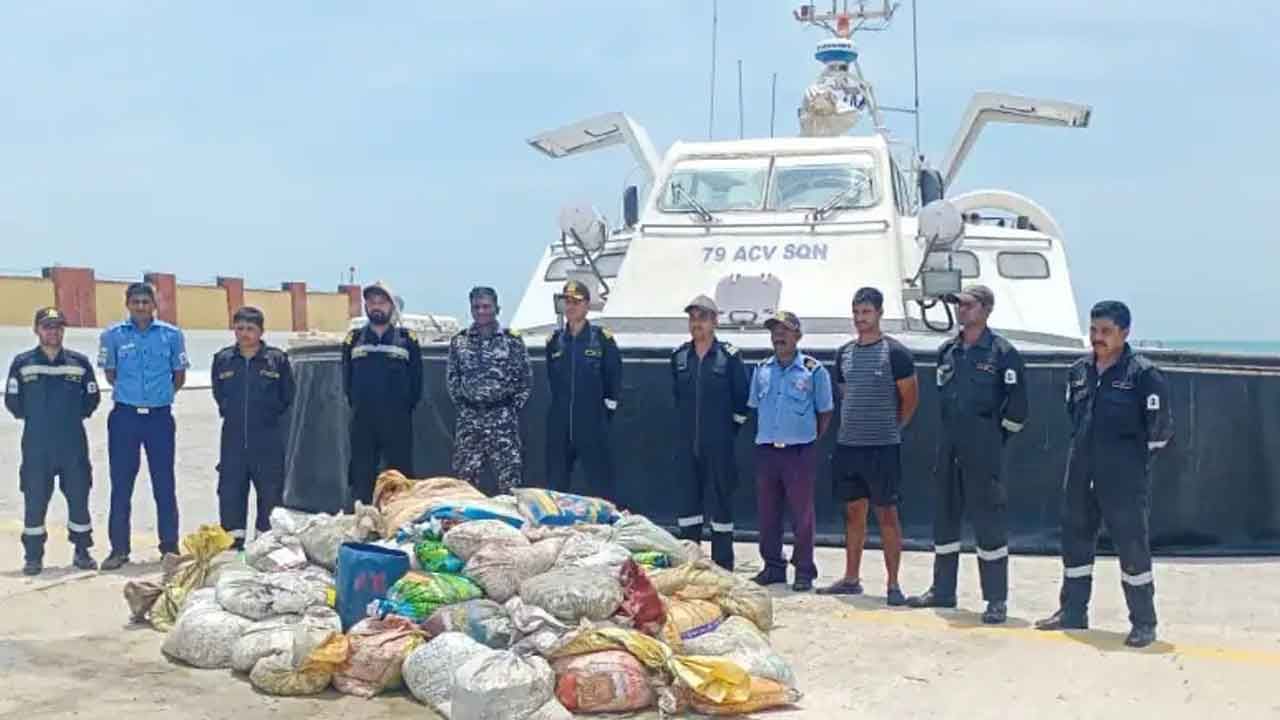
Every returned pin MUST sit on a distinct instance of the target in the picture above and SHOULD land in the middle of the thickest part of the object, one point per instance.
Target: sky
(288, 141)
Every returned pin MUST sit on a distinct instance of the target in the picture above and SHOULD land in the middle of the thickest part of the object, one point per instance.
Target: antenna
(740, 132)
(915, 69)
(715, 20)
(773, 103)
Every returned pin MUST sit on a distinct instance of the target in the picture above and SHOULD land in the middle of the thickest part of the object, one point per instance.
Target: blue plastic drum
(365, 573)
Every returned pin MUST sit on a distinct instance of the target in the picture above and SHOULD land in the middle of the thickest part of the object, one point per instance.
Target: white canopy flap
(988, 107)
(599, 132)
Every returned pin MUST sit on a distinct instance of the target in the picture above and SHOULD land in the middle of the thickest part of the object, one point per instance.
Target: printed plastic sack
(605, 681)
(466, 539)
(204, 635)
(572, 594)
(402, 501)
(688, 619)
(303, 669)
(428, 671)
(651, 560)
(416, 595)
(499, 569)
(484, 621)
(275, 552)
(258, 596)
(473, 510)
(548, 507)
(537, 631)
(161, 605)
(641, 604)
(275, 635)
(638, 533)
(378, 651)
(764, 695)
(583, 551)
(433, 556)
(739, 640)
(501, 686)
(714, 679)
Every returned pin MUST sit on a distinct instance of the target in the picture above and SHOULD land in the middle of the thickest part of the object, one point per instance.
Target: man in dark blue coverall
(382, 379)
(253, 387)
(584, 368)
(983, 394)
(52, 390)
(1119, 407)
(710, 385)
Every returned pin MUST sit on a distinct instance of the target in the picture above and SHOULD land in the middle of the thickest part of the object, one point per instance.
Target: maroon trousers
(785, 477)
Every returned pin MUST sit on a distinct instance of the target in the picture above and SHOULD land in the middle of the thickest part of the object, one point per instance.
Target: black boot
(1065, 619)
(1141, 636)
(32, 567)
(83, 560)
(931, 599)
(996, 613)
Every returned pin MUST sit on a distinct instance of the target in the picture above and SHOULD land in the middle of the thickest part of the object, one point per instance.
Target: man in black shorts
(876, 379)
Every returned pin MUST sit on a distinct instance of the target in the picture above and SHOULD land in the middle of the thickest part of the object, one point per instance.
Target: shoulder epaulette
(512, 332)
(351, 337)
(730, 348)
(606, 332)
(410, 334)
(680, 349)
(810, 364)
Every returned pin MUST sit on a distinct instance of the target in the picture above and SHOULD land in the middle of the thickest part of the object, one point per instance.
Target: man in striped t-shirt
(876, 379)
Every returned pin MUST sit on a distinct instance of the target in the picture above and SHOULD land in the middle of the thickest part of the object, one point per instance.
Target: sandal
(843, 586)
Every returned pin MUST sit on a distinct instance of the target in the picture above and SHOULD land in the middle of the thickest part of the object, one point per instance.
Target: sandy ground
(66, 649)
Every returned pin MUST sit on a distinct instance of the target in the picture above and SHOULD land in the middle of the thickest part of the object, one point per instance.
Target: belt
(784, 446)
(491, 405)
(142, 410)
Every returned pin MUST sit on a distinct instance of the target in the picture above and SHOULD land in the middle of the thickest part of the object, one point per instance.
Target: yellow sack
(688, 617)
(765, 695)
(715, 679)
(327, 658)
(701, 580)
(200, 548)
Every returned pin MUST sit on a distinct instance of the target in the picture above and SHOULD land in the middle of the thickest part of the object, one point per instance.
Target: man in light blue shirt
(145, 360)
(791, 394)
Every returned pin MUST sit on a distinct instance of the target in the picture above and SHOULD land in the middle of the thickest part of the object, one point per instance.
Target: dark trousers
(590, 450)
(235, 475)
(129, 430)
(785, 478)
(1124, 504)
(970, 482)
(378, 436)
(36, 480)
(707, 482)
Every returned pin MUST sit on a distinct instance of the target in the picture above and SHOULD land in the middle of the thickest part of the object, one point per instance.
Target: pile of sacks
(536, 605)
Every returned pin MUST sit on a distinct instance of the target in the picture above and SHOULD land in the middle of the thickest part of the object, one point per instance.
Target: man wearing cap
(145, 360)
(489, 380)
(1118, 402)
(709, 380)
(983, 395)
(52, 390)
(791, 394)
(253, 387)
(584, 368)
(382, 379)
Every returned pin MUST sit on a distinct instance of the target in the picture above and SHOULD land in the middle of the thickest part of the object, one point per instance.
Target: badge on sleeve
(102, 355)
(91, 388)
(1010, 377)
(1153, 402)
(12, 387)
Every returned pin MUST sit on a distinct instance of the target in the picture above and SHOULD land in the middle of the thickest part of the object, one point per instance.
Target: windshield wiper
(830, 205)
(698, 209)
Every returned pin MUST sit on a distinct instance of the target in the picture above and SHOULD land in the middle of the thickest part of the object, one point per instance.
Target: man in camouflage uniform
(489, 381)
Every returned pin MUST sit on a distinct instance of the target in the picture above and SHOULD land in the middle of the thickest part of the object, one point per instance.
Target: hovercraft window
(830, 181)
(1022, 265)
(716, 185)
